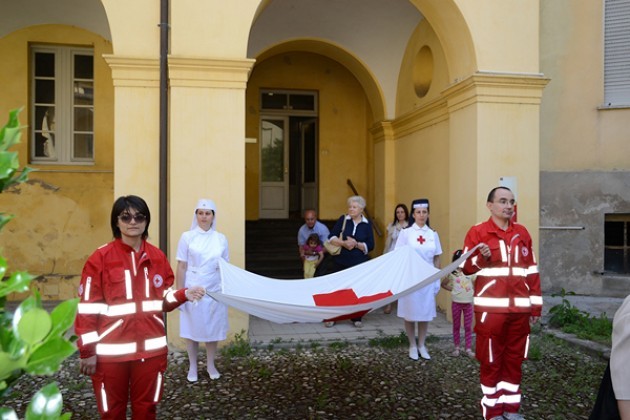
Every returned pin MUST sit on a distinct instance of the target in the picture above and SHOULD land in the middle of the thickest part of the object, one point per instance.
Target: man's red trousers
(502, 344)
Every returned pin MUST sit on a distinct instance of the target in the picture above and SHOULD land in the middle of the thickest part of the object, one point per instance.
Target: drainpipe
(163, 174)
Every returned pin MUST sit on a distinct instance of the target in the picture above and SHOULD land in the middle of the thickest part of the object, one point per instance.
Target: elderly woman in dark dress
(355, 241)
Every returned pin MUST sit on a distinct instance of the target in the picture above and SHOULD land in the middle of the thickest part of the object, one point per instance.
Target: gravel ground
(343, 381)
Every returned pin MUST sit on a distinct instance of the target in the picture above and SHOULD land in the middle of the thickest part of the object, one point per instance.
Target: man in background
(312, 226)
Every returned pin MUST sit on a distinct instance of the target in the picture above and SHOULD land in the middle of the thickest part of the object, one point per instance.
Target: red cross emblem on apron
(421, 240)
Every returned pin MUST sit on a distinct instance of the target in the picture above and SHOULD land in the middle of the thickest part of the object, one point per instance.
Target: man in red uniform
(507, 298)
(125, 287)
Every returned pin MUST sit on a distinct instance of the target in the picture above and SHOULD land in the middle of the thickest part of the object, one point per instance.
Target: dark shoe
(512, 416)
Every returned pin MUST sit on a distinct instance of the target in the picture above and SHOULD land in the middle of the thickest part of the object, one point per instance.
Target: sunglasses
(138, 217)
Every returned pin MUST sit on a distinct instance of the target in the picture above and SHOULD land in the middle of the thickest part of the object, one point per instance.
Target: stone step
(271, 248)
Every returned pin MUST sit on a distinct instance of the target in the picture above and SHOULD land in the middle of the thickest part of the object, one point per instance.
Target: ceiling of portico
(373, 32)
(369, 34)
(86, 14)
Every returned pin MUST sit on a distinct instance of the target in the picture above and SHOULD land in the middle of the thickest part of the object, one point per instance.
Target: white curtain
(49, 143)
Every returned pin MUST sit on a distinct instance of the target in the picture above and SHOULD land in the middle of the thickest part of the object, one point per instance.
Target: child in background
(313, 255)
(461, 288)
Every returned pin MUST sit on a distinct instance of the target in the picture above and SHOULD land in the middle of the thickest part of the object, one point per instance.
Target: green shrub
(338, 345)
(389, 341)
(535, 352)
(32, 341)
(564, 313)
(239, 347)
(571, 320)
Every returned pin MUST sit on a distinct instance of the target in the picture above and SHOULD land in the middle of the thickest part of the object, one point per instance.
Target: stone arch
(91, 16)
(372, 89)
(445, 17)
(452, 29)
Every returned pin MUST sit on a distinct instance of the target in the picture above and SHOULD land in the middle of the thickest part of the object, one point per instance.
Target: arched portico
(348, 94)
(450, 143)
(477, 121)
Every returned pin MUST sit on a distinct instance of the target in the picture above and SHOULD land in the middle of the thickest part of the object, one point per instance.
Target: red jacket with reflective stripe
(123, 295)
(508, 281)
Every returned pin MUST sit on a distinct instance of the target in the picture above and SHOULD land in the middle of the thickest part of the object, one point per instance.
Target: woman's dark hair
(414, 203)
(402, 206)
(124, 204)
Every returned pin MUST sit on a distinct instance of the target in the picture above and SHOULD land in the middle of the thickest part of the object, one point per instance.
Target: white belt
(152, 305)
(115, 349)
(492, 302)
(122, 349)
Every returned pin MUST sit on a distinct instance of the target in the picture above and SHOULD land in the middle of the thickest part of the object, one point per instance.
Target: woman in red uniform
(125, 288)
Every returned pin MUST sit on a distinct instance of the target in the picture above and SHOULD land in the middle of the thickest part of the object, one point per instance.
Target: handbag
(332, 249)
(335, 249)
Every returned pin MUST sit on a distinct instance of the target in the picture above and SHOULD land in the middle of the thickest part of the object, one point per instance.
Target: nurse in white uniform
(419, 307)
(198, 254)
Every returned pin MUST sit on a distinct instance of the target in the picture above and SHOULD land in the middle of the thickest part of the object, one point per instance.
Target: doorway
(288, 154)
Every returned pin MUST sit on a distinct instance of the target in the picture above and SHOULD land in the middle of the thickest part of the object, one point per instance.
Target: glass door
(308, 134)
(274, 168)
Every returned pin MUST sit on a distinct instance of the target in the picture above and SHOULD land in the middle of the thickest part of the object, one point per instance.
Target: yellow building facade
(406, 98)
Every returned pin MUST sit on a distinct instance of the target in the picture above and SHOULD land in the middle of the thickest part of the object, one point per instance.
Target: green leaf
(6, 183)
(9, 163)
(8, 342)
(47, 359)
(10, 133)
(3, 266)
(13, 120)
(27, 304)
(12, 136)
(24, 175)
(4, 219)
(34, 326)
(63, 316)
(18, 282)
(9, 364)
(16, 348)
(7, 413)
(47, 403)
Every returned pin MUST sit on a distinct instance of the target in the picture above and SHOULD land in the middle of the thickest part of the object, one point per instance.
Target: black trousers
(606, 404)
